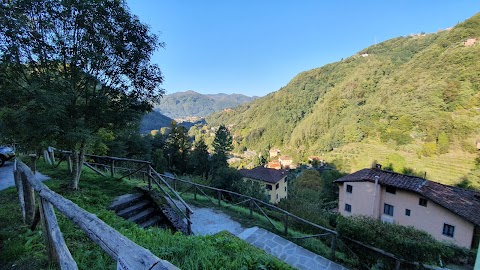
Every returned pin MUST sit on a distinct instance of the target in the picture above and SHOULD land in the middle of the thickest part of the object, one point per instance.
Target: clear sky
(254, 47)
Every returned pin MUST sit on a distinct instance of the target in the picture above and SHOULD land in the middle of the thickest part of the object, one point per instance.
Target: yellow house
(448, 213)
(275, 181)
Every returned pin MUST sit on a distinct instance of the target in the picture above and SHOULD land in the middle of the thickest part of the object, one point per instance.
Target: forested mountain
(193, 104)
(418, 93)
(154, 120)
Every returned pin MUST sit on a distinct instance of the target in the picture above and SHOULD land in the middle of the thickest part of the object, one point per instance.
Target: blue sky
(255, 47)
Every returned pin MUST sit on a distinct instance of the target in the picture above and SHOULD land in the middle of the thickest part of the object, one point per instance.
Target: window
(276, 186)
(269, 187)
(423, 202)
(388, 209)
(348, 208)
(448, 230)
(391, 190)
(285, 179)
(285, 188)
(407, 212)
(277, 196)
(349, 188)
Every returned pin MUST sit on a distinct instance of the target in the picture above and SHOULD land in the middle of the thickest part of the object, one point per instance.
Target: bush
(405, 243)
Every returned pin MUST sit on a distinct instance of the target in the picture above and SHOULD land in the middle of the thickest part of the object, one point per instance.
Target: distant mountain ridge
(193, 104)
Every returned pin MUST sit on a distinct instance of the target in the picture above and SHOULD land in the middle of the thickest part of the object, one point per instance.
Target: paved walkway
(6, 176)
(287, 251)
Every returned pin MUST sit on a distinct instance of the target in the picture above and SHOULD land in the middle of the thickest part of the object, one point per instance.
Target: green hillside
(193, 104)
(417, 95)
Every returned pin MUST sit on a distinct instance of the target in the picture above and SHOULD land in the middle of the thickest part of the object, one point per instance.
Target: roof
(264, 174)
(463, 202)
(274, 165)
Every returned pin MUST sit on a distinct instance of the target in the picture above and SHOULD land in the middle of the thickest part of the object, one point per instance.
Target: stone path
(6, 176)
(287, 251)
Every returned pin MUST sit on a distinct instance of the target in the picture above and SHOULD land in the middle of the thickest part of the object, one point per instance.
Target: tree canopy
(72, 68)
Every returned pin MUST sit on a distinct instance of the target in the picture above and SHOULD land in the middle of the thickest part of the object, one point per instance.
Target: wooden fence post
(397, 264)
(52, 256)
(219, 195)
(194, 192)
(69, 162)
(19, 186)
(149, 177)
(251, 208)
(33, 159)
(175, 184)
(286, 225)
(29, 199)
(332, 246)
(189, 223)
(112, 168)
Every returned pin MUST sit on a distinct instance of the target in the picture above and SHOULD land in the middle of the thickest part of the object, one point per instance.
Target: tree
(70, 68)
(198, 159)
(222, 145)
(177, 146)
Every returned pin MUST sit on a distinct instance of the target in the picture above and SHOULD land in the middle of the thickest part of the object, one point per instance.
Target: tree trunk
(77, 159)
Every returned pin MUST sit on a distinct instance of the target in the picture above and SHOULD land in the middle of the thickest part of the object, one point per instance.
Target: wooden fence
(127, 254)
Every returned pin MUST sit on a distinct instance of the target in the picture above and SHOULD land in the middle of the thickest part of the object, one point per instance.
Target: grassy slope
(23, 248)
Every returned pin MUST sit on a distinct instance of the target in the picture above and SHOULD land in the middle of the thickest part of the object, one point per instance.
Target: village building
(448, 213)
(469, 42)
(478, 144)
(275, 181)
(274, 165)
(285, 162)
(274, 152)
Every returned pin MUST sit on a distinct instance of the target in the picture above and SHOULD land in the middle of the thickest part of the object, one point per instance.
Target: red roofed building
(274, 165)
(448, 213)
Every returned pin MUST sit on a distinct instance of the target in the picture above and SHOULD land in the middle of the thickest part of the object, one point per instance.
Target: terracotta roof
(463, 202)
(274, 165)
(264, 174)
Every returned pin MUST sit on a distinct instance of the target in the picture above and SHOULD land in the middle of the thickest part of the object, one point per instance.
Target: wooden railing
(127, 254)
(125, 167)
(254, 203)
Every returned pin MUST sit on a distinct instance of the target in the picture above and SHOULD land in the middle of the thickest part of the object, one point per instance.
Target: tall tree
(199, 162)
(71, 68)
(177, 147)
(222, 145)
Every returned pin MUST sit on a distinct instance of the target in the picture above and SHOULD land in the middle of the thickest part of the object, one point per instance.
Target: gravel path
(208, 221)
(6, 176)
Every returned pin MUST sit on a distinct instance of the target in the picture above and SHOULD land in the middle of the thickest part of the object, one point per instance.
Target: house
(470, 42)
(448, 213)
(275, 181)
(274, 152)
(478, 144)
(285, 162)
(274, 165)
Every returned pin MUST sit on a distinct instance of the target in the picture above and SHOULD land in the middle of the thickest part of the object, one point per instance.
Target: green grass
(242, 215)
(25, 249)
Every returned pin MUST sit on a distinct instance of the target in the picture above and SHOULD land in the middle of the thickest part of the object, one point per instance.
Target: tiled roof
(463, 202)
(264, 174)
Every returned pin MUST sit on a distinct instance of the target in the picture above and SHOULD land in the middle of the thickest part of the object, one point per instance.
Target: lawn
(24, 249)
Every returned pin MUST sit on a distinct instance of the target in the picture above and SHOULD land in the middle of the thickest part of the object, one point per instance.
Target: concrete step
(124, 201)
(133, 209)
(152, 221)
(142, 216)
